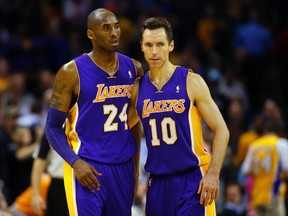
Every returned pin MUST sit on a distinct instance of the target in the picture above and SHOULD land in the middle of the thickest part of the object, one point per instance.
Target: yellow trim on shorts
(69, 183)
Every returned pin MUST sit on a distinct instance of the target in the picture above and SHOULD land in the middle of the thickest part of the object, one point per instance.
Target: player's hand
(86, 174)
(209, 189)
(38, 205)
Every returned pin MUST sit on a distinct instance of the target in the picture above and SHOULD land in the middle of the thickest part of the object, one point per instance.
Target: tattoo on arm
(58, 88)
(54, 102)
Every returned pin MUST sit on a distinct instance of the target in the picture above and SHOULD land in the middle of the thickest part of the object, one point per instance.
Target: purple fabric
(178, 193)
(56, 135)
(116, 191)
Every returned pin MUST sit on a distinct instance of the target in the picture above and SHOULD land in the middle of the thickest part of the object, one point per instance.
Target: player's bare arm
(137, 133)
(136, 128)
(65, 85)
(133, 117)
(199, 93)
(64, 89)
(138, 68)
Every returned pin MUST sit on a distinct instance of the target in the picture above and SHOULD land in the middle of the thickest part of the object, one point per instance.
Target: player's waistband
(104, 163)
(179, 173)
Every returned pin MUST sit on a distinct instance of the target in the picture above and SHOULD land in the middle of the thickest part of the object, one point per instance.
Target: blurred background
(240, 47)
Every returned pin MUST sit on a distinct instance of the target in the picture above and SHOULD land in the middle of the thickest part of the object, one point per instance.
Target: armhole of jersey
(137, 83)
(190, 71)
(74, 99)
(135, 69)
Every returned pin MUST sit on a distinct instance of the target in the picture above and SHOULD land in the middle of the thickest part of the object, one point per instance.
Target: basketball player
(98, 145)
(266, 162)
(170, 100)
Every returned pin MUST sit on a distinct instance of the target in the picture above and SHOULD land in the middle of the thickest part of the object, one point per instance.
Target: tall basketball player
(98, 146)
(170, 100)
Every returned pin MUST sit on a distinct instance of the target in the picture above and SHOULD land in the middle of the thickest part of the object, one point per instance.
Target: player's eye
(117, 26)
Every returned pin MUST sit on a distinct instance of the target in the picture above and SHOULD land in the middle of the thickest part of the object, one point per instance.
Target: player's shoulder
(194, 78)
(193, 74)
(136, 82)
(69, 67)
(138, 67)
(68, 72)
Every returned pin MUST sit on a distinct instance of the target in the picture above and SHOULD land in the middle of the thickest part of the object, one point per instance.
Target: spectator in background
(236, 122)
(265, 160)
(272, 111)
(254, 132)
(213, 78)
(20, 160)
(22, 204)
(252, 48)
(46, 160)
(231, 87)
(9, 123)
(234, 204)
(209, 27)
(34, 119)
(236, 126)
(17, 93)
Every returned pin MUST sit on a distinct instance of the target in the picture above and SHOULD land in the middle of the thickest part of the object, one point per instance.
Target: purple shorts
(114, 198)
(176, 195)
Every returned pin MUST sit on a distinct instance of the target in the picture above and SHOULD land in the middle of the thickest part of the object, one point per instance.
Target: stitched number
(168, 130)
(111, 110)
(123, 115)
(262, 164)
(155, 141)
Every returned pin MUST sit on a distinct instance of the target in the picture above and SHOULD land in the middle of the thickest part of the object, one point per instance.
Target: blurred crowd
(240, 47)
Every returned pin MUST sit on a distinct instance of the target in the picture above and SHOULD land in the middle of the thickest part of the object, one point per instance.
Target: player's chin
(114, 48)
(154, 63)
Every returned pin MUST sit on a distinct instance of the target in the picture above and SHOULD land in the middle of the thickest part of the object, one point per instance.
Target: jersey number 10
(168, 130)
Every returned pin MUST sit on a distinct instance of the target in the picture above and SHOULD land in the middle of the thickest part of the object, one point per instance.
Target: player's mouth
(155, 59)
(114, 42)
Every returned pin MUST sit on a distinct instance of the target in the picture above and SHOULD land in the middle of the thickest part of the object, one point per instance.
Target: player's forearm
(57, 137)
(137, 133)
(219, 148)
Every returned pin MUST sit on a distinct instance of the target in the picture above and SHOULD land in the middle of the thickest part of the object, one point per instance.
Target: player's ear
(90, 34)
(171, 46)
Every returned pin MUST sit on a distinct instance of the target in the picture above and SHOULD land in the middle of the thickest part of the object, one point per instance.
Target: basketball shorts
(176, 195)
(114, 198)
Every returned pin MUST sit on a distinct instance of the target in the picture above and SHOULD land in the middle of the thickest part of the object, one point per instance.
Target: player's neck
(103, 58)
(159, 76)
(108, 63)
(160, 73)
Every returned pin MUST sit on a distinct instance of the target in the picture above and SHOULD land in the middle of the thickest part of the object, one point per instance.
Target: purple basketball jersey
(172, 125)
(97, 128)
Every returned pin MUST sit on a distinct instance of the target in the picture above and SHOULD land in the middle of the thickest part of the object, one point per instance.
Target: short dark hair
(155, 23)
(273, 126)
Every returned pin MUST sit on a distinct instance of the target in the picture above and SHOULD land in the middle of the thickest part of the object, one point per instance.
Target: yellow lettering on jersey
(116, 91)
(180, 107)
(157, 106)
(162, 106)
